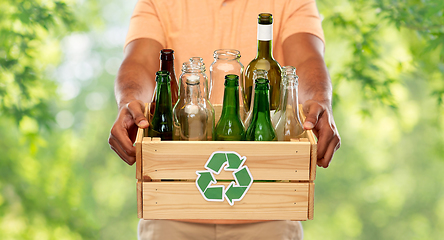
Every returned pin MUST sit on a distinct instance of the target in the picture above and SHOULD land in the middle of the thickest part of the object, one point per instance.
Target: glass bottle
(258, 73)
(264, 60)
(196, 121)
(162, 121)
(194, 67)
(167, 63)
(286, 120)
(226, 61)
(230, 126)
(261, 128)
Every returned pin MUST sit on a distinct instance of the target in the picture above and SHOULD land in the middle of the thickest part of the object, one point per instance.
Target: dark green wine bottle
(162, 122)
(230, 126)
(264, 60)
(261, 128)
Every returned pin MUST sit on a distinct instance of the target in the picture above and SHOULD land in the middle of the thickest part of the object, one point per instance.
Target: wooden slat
(311, 201)
(266, 160)
(139, 191)
(313, 154)
(263, 201)
(313, 148)
(139, 139)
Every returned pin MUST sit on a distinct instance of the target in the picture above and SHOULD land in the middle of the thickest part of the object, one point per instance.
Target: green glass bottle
(261, 128)
(264, 60)
(230, 126)
(162, 122)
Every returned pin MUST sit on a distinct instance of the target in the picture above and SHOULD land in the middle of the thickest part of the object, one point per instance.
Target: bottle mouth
(162, 73)
(162, 76)
(226, 54)
(231, 79)
(167, 54)
(193, 66)
(265, 18)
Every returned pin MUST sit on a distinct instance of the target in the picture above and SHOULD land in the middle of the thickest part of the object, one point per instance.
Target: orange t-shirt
(195, 28)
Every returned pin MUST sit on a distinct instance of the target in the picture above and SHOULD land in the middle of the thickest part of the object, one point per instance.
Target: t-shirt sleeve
(302, 16)
(145, 23)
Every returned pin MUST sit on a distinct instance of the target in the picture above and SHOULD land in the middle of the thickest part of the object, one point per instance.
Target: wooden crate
(282, 189)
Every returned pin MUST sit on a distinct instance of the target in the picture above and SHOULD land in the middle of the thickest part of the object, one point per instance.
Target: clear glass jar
(226, 61)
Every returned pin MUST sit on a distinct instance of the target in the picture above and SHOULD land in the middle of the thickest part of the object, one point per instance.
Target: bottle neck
(163, 97)
(168, 65)
(264, 41)
(261, 102)
(192, 93)
(231, 101)
(264, 49)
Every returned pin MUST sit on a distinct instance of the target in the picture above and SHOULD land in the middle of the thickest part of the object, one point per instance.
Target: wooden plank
(139, 139)
(263, 201)
(313, 154)
(311, 201)
(139, 191)
(313, 148)
(266, 160)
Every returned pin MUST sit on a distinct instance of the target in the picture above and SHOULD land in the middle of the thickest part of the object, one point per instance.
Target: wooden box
(281, 186)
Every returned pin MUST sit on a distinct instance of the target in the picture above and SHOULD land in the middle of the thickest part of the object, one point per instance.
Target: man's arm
(134, 86)
(306, 52)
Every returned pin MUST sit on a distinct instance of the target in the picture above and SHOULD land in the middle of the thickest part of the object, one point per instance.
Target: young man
(197, 28)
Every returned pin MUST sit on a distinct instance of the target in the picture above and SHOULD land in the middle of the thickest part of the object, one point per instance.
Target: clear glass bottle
(195, 119)
(261, 128)
(226, 61)
(194, 67)
(264, 60)
(286, 120)
(230, 126)
(161, 124)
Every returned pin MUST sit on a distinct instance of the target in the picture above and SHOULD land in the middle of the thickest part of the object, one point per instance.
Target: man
(197, 28)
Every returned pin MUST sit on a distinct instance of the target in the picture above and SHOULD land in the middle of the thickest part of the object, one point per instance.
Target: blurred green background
(60, 180)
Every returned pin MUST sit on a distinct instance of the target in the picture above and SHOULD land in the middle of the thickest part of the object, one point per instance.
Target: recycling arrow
(236, 189)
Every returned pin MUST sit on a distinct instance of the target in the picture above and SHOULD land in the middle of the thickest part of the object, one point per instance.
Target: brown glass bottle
(167, 64)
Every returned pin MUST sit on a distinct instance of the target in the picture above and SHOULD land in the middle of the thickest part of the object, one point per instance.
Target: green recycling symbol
(236, 190)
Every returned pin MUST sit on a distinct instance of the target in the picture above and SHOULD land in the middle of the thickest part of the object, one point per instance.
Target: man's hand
(306, 52)
(124, 131)
(319, 118)
(134, 85)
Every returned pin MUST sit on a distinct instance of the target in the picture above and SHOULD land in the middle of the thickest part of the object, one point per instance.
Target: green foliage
(27, 30)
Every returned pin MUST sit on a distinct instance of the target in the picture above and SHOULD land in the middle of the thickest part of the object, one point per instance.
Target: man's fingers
(120, 139)
(312, 111)
(332, 147)
(136, 108)
(123, 154)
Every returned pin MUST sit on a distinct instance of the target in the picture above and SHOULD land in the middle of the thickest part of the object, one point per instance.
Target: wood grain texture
(311, 194)
(139, 191)
(266, 160)
(264, 201)
(313, 148)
